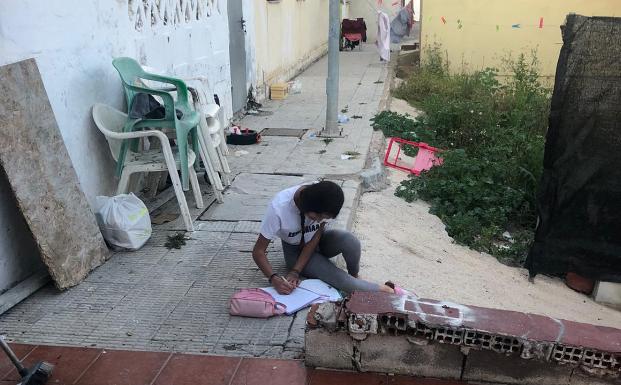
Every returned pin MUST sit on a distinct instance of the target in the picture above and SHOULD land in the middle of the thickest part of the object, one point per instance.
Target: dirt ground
(404, 243)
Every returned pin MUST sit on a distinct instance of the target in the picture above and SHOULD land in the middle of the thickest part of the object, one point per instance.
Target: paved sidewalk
(363, 87)
(83, 366)
(157, 299)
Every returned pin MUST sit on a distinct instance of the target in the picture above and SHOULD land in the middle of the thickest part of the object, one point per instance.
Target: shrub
(493, 136)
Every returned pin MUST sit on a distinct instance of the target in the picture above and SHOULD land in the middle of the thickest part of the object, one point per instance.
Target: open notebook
(309, 292)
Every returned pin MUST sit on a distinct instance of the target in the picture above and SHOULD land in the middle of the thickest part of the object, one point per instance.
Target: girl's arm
(259, 254)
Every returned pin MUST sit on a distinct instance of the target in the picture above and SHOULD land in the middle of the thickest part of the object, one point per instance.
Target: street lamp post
(332, 82)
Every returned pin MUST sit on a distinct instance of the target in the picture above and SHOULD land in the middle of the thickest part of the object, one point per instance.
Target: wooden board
(46, 187)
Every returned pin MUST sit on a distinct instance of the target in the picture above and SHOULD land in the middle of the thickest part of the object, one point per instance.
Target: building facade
(237, 45)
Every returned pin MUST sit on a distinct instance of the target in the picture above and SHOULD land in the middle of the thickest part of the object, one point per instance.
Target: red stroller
(352, 33)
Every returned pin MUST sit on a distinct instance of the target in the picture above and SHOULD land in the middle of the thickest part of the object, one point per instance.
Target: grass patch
(493, 134)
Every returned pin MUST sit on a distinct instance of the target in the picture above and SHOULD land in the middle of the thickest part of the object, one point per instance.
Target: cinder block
(489, 366)
(608, 292)
(374, 178)
(395, 354)
(325, 315)
(329, 350)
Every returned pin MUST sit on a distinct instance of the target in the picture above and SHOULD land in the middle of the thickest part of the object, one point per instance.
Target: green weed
(492, 134)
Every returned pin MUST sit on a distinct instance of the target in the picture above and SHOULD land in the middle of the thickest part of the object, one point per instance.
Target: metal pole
(332, 83)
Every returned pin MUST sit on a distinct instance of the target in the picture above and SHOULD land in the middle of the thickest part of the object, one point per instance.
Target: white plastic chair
(211, 139)
(211, 136)
(201, 84)
(213, 127)
(110, 122)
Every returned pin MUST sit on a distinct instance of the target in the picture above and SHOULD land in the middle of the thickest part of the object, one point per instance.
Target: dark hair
(324, 197)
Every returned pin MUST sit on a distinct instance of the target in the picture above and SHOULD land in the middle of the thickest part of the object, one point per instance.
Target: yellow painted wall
(479, 43)
(289, 35)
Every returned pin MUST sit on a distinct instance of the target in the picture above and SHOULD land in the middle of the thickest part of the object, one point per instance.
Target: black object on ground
(245, 138)
(37, 375)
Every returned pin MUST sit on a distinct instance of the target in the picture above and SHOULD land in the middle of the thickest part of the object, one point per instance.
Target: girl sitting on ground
(305, 209)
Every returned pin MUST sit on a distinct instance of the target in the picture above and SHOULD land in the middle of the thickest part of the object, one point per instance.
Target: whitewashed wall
(74, 42)
(289, 35)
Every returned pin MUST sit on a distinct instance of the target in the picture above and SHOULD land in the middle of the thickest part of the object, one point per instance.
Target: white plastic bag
(295, 87)
(123, 220)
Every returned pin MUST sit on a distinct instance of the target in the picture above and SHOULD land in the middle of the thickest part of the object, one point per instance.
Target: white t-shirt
(282, 219)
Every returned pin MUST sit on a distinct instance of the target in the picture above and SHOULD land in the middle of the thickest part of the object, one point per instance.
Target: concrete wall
(74, 42)
(487, 33)
(367, 9)
(251, 52)
(289, 35)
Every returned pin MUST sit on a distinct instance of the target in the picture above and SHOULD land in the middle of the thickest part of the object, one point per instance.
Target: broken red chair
(424, 160)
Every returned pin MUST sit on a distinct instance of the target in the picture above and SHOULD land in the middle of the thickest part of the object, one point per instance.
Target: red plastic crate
(424, 160)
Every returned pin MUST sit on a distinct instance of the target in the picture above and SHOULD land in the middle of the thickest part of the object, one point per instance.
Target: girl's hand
(293, 277)
(282, 285)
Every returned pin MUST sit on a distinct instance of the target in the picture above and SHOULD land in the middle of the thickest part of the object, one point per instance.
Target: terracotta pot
(579, 283)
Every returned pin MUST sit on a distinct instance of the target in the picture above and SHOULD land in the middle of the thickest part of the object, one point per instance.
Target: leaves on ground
(175, 241)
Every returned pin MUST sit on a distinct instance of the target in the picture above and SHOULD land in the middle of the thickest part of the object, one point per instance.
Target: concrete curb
(379, 332)
(384, 104)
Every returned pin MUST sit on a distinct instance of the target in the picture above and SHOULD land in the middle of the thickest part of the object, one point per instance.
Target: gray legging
(331, 244)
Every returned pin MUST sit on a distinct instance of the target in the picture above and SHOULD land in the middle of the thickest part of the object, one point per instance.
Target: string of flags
(460, 24)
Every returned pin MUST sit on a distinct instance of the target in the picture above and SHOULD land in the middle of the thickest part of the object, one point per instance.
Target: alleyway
(176, 300)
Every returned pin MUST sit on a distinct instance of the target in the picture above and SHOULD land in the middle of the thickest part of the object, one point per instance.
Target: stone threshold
(378, 332)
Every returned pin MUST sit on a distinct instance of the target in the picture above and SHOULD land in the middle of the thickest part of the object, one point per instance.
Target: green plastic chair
(131, 73)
